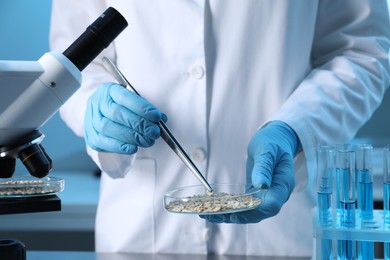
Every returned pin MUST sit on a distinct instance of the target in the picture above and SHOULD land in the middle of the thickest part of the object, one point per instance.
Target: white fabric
(220, 69)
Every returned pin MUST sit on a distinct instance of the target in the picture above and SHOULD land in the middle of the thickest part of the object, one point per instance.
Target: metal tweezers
(165, 132)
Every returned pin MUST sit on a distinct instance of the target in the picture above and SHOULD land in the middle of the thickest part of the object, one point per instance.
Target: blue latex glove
(270, 164)
(119, 121)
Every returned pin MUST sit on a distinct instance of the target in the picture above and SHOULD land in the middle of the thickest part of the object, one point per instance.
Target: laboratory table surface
(65, 255)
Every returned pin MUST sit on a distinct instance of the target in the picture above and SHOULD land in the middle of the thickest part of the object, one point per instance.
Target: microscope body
(33, 91)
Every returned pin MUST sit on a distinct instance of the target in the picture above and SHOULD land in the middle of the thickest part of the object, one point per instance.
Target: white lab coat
(220, 70)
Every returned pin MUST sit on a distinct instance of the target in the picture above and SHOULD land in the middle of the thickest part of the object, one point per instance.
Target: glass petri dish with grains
(226, 198)
(28, 186)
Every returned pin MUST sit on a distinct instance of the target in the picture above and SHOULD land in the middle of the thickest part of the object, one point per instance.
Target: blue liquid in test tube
(347, 198)
(345, 162)
(365, 196)
(325, 171)
(386, 203)
(386, 196)
(337, 206)
(386, 213)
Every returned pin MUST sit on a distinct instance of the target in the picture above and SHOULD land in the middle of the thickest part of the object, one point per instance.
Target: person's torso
(219, 70)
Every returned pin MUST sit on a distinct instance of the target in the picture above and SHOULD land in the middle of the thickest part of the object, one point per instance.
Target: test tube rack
(374, 231)
(346, 227)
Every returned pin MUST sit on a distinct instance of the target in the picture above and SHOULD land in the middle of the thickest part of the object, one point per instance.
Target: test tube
(337, 205)
(325, 172)
(365, 202)
(345, 163)
(325, 169)
(386, 196)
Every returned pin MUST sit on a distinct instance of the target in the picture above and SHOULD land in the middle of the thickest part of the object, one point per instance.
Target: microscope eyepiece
(96, 38)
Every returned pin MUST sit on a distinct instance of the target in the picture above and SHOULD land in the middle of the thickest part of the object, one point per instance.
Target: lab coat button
(198, 154)
(197, 72)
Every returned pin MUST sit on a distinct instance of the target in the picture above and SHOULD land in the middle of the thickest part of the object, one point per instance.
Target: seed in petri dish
(209, 192)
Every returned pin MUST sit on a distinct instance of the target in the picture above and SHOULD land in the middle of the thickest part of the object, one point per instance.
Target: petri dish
(29, 186)
(226, 198)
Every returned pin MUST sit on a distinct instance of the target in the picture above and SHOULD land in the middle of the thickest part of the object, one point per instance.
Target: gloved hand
(270, 164)
(119, 121)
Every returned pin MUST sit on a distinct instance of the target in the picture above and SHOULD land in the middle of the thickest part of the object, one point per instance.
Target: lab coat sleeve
(349, 76)
(69, 20)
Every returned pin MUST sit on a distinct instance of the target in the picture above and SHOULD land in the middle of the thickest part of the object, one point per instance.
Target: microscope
(32, 92)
